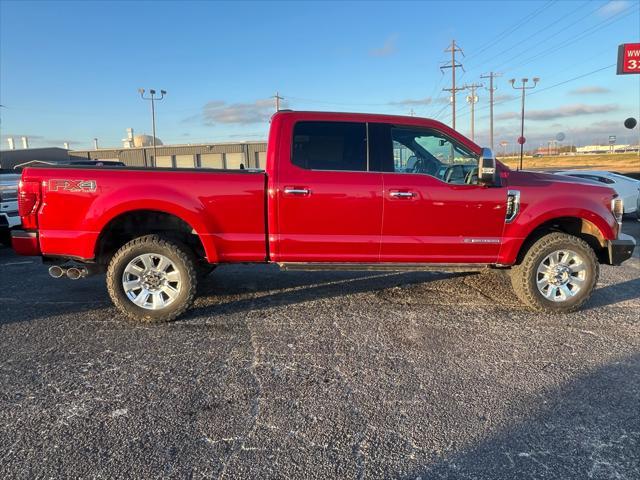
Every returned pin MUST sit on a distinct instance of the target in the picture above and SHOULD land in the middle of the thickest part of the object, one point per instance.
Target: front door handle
(297, 191)
(397, 194)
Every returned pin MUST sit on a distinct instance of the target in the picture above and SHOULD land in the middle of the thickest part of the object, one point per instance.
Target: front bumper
(25, 242)
(621, 249)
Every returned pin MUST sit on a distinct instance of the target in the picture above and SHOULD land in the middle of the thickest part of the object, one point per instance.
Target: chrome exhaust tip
(74, 273)
(56, 271)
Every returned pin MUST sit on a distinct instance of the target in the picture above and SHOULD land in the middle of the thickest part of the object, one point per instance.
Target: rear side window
(330, 146)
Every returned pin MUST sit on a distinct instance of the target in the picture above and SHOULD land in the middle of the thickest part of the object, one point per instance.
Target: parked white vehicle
(626, 187)
(8, 204)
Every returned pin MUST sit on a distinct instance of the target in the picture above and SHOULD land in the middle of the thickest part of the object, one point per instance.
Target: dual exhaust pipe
(74, 273)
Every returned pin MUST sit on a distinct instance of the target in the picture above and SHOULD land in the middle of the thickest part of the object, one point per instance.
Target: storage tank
(145, 141)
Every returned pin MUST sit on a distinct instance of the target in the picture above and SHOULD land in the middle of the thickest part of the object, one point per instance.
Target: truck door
(329, 204)
(434, 210)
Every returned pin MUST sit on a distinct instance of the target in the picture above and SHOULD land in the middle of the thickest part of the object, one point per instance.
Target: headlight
(617, 208)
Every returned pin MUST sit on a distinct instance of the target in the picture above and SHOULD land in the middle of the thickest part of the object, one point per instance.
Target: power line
(325, 102)
(491, 89)
(453, 65)
(277, 98)
(440, 112)
(591, 30)
(550, 86)
(472, 99)
(523, 87)
(513, 28)
(572, 79)
(536, 33)
(433, 92)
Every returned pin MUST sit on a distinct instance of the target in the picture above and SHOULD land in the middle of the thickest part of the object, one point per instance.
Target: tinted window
(330, 146)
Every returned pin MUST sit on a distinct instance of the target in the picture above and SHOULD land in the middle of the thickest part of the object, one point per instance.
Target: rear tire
(558, 274)
(152, 279)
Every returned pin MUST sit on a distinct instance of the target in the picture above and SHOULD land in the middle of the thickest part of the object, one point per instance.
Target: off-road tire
(179, 254)
(523, 276)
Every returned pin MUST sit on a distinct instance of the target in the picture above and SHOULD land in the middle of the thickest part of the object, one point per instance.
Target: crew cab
(340, 191)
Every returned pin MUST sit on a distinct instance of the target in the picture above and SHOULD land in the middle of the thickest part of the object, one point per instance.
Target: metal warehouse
(205, 155)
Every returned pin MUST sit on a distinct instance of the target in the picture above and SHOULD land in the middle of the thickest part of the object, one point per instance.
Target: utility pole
(153, 99)
(472, 100)
(491, 89)
(453, 48)
(278, 98)
(522, 88)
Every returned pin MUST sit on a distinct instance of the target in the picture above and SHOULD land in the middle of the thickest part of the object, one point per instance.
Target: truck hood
(552, 177)
(526, 176)
(556, 184)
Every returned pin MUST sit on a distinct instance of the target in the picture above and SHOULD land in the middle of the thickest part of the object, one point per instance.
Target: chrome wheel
(151, 281)
(561, 275)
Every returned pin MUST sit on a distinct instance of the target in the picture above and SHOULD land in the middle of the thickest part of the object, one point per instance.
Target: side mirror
(487, 171)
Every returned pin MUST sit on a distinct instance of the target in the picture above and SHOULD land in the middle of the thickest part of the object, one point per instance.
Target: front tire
(558, 274)
(152, 279)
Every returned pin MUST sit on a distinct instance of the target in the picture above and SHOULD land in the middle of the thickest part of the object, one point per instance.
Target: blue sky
(69, 71)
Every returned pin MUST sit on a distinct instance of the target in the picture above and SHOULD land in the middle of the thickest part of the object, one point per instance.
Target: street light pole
(523, 87)
(153, 99)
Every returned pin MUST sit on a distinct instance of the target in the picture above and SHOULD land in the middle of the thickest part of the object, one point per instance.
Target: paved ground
(303, 375)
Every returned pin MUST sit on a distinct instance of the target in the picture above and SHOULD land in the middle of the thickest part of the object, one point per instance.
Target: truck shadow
(588, 428)
(238, 288)
(233, 289)
(616, 293)
(271, 288)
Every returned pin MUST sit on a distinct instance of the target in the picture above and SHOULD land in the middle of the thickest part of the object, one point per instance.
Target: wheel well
(130, 225)
(578, 227)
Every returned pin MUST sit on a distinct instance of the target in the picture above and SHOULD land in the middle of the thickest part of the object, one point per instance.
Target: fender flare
(514, 240)
(183, 210)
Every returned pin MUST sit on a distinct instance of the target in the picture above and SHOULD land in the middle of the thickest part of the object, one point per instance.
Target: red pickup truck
(340, 191)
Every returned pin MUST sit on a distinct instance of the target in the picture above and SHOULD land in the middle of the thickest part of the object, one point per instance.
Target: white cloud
(590, 90)
(506, 97)
(614, 7)
(576, 110)
(218, 111)
(413, 101)
(591, 133)
(570, 111)
(388, 48)
(506, 116)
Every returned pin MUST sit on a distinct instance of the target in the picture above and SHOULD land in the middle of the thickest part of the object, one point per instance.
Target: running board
(386, 267)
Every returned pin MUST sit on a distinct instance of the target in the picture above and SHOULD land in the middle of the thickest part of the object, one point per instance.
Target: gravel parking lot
(319, 375)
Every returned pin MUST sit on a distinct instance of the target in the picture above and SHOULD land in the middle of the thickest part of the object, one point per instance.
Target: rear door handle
(397, 194)
(297, 191)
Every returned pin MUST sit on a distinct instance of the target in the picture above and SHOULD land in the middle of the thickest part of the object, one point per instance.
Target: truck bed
(226, 208)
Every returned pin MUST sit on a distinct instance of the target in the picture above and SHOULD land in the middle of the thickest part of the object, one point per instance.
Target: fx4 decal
(58, 185)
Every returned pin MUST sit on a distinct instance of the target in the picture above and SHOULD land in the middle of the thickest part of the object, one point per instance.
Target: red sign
(521, 140)
(628, 58)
